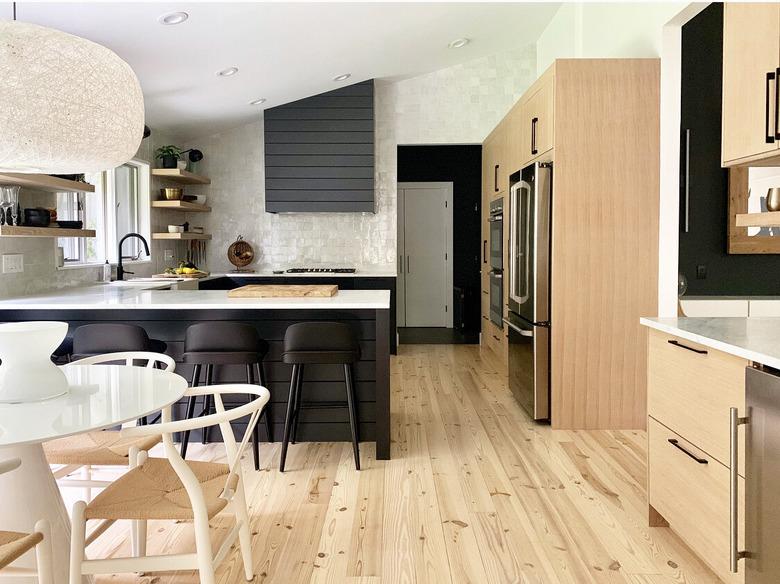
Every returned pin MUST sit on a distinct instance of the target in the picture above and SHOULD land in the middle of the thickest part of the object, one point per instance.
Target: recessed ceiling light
(228, 72)
(343, 77)
(173, 18)
(257, 101)
(458, 43)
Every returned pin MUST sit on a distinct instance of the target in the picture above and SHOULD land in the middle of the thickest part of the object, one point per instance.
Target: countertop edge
(668, 327)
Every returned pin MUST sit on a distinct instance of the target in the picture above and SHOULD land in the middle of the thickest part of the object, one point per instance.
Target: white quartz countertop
(755, 339)
(110, 297)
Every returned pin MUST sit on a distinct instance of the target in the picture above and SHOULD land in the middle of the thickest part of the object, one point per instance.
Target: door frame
(401, 293)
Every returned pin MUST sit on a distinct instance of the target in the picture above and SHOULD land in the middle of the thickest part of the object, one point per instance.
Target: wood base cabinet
(691, 389)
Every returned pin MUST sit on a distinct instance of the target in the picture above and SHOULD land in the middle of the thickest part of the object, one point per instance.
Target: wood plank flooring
(476, 493)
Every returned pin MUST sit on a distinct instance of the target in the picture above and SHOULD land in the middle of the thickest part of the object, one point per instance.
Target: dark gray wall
(319, 152)
(706, 242)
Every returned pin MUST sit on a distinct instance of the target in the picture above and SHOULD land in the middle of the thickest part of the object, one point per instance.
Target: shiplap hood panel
(319, 153)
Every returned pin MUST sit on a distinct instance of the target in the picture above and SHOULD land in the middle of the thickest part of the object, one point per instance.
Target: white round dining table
(99, 397)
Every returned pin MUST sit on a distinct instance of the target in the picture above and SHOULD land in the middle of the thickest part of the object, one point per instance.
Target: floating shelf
(187, 206)
(767, 219)
(181, 176)
(15, 231)
(181, 236)
(45, 182)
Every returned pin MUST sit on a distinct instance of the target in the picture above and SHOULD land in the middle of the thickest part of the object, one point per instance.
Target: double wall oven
(496, 275)
(529, 288)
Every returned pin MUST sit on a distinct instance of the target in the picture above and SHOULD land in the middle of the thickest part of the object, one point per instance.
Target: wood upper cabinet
(538, 113)
(495, 174)
(751, 64)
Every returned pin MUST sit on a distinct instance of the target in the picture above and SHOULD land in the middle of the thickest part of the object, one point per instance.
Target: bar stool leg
(207, 403)
(298, 400)
(250, 379)
(353, 423)
(269, 428)
(288, 417)
(185, 438)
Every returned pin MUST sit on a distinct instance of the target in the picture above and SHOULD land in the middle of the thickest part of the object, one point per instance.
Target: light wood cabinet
(539, 119)
(690, 489)
(751, 64)
(690, 391)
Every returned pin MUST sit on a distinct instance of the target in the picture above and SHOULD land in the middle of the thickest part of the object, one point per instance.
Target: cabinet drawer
(691, 392)
(694, 498)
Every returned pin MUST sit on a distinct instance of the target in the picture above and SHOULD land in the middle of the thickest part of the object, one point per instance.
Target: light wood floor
(475, 493)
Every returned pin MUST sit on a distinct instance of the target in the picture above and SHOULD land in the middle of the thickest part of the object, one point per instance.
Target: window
(119, 205)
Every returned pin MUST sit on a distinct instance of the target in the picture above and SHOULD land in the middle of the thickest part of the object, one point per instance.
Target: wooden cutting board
(284, 291)
(185, 276)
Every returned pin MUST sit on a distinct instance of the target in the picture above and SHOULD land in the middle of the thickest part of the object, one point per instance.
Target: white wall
(456, 105)
(604, 30)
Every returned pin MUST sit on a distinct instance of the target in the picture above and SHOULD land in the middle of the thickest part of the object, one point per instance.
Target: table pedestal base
(30, 493)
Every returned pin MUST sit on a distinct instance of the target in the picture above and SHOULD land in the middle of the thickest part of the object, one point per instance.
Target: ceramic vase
(27, 373)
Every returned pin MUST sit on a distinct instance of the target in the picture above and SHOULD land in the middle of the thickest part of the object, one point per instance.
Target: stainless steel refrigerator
(529, 288)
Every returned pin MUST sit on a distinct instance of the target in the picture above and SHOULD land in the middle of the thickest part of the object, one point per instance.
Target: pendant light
(67, 105)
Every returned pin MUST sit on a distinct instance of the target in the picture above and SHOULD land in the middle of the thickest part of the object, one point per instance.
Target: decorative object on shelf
(74, 177)
(70, 224)
(27, 373)
(773, 199)
(13, 195)
(57, 122)
(175, 228)
(240, 254)
(37, 217)
(168, 155)
(193, 157)
(172, 193)
(200, 199)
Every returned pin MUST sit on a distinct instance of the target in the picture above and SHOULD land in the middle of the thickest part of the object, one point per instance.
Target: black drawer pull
(676, 444)
(771, 76)
(679, 344)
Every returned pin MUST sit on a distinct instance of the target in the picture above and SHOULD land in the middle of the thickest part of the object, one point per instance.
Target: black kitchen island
(166, 314)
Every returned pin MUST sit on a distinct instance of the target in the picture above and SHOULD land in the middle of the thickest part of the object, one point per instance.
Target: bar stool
(225, 343)
(90, 340)
(319, 343)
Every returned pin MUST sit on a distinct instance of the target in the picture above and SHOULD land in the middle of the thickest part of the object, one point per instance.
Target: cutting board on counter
(195, 276)
(284, 291)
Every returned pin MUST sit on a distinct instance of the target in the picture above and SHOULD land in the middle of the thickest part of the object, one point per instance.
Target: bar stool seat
(90, 340)
(319, 343)
(225, 343)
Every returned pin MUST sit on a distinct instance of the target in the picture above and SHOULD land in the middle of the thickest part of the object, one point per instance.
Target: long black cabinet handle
(771, 76)
(533, 135)
(676, 444)
(679, 344)
(495, 178)
(777, 104)
(484, 251)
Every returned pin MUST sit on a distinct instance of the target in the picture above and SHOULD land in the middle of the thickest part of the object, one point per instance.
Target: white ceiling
(284, 51)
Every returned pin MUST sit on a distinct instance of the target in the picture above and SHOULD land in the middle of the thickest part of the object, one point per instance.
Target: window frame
(107, 197)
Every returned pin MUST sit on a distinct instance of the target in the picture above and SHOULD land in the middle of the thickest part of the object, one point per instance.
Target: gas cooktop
(321, 271)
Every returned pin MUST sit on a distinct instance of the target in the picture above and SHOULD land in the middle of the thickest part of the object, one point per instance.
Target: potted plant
(168, 155)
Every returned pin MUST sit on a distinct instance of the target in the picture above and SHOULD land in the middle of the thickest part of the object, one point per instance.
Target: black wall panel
(319, 153)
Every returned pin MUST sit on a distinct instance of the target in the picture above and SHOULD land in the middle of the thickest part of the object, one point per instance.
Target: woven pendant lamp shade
(67, 105)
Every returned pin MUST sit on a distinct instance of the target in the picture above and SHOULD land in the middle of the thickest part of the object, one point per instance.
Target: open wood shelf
(45, 182)
(767, 219)
(181, 236)
(181, 176)
(16, 231)
(187, 206)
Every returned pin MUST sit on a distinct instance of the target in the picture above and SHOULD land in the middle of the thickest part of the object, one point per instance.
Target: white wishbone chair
(106, 447)
(14, 544)
(174, 489)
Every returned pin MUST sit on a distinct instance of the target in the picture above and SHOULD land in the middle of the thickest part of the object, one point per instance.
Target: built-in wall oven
(497, 262)
(528, 319)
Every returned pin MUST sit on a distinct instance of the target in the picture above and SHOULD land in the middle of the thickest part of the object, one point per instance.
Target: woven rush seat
(101, 448)
(154, 491)
(13, 545)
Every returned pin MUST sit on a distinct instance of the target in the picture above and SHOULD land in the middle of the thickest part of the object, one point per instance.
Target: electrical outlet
(13, 263)
(168, 254)
(701, 272)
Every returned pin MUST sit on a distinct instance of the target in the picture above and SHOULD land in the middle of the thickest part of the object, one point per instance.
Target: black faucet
(120, 271)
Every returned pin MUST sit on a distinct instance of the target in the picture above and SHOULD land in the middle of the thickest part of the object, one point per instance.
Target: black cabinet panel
(319, 153)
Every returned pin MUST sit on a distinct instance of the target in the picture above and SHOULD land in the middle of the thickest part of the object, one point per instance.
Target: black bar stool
(100, 338)
(225, 343)
(319, 343)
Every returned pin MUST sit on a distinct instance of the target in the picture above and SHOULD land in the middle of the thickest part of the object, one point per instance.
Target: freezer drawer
(529, 366)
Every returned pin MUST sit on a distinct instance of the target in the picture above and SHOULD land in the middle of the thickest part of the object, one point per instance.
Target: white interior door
(427, 253)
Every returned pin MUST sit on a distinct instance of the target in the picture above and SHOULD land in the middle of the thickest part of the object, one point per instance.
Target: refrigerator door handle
(517, 329)
(734, 552)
